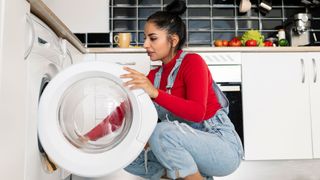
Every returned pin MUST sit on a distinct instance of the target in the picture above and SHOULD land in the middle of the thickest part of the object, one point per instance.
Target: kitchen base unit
(279, 105)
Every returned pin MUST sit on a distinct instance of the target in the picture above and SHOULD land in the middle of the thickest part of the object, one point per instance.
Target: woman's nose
(146, 44)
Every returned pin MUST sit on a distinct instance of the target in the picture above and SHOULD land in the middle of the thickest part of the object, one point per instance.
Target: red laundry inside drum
(110, 124)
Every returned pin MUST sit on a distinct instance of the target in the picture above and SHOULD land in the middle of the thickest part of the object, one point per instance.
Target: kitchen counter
(40, 9)
(213, 49)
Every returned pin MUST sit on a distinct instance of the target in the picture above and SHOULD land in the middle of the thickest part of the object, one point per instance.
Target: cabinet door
(276, 106)
(314, 74)
(82, 16)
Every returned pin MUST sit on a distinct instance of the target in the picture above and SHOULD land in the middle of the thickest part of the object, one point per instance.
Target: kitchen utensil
(311, 3)
(245, 6)
(265, 6)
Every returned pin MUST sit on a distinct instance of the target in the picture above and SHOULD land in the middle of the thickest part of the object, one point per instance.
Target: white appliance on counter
(66, 102)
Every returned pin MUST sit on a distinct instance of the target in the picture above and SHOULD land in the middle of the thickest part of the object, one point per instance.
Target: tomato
(268, 43)
(251, 42)
(218, 43)
(235, 39)
(235, 42)
(225, 43)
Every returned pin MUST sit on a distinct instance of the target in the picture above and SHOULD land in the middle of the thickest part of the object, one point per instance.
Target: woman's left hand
(139, 80)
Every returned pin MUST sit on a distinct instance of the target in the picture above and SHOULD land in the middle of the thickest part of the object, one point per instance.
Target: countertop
(213, 49)
(40, 9)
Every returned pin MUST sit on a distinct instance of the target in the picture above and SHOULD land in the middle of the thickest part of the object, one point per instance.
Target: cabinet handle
(314, 70)
(28, 51)
(303, 70)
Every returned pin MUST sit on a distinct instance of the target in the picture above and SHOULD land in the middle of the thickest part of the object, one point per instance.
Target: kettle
(299, 29)
(301, 22)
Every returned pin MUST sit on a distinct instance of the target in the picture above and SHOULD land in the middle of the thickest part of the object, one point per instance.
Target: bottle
(282, 38)
(281, 34)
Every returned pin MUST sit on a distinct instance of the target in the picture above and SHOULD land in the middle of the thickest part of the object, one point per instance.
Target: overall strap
(172, 75)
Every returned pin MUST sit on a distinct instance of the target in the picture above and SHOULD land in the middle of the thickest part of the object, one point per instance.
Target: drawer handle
(126, 63)
(303, 70)
(314, 70)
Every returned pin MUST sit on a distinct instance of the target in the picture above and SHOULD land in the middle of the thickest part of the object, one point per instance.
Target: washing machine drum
(89, 123)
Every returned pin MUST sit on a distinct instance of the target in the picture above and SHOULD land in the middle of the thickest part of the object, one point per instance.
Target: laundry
(110, 124)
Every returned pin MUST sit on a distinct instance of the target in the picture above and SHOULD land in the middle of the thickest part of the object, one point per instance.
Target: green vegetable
(283, 42)
(252, 34)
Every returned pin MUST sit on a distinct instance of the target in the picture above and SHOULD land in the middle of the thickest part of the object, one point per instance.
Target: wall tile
(206, 20)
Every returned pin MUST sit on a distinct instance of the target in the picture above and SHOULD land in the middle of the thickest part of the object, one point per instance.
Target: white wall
(12, 89)
(1, 33)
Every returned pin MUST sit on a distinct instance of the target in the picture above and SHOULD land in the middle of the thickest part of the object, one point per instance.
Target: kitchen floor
(252, 170)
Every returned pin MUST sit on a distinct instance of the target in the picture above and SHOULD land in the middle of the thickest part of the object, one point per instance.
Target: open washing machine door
(89, 123)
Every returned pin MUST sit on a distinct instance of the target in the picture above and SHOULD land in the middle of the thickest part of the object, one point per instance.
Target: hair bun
(177, 7)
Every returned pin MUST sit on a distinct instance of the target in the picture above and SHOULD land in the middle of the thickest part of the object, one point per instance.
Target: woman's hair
(170, 20)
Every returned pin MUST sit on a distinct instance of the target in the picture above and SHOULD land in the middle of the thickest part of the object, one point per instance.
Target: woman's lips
(150, 53)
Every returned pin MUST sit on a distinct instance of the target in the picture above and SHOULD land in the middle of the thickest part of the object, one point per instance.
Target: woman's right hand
(139, 80)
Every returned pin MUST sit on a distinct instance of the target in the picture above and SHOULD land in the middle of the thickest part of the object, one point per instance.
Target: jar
(281, 34)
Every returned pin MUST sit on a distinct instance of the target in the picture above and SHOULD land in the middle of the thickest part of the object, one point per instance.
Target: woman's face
(157, 43)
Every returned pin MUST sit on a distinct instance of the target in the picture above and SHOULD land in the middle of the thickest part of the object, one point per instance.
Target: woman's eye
(153, 39)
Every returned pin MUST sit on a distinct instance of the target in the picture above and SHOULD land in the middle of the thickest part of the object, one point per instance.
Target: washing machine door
(89, 123)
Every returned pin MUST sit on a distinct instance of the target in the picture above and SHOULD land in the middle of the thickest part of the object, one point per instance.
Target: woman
(194, 138)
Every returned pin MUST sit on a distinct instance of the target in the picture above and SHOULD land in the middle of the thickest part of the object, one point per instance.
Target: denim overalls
(179, 148)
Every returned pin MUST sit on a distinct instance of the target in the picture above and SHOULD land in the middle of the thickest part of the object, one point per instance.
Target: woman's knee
(163, 132)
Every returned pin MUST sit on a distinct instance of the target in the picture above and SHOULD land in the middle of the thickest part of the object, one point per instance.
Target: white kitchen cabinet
(82, 16)
(276, 106)
(314, 83)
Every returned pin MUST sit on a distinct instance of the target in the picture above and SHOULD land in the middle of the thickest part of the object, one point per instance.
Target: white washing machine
(68, 103)
(44, 59)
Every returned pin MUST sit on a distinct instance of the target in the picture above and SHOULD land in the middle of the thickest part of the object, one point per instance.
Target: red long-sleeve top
(192, 96)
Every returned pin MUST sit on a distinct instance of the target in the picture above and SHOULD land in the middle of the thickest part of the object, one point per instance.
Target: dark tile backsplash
(206, 20)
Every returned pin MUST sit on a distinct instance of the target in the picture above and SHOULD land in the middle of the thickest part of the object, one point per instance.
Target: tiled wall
(206, 20)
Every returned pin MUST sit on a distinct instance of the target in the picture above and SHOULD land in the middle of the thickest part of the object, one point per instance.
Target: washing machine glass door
(89, 123)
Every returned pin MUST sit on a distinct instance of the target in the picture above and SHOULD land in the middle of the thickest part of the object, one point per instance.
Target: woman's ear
(174, 40)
